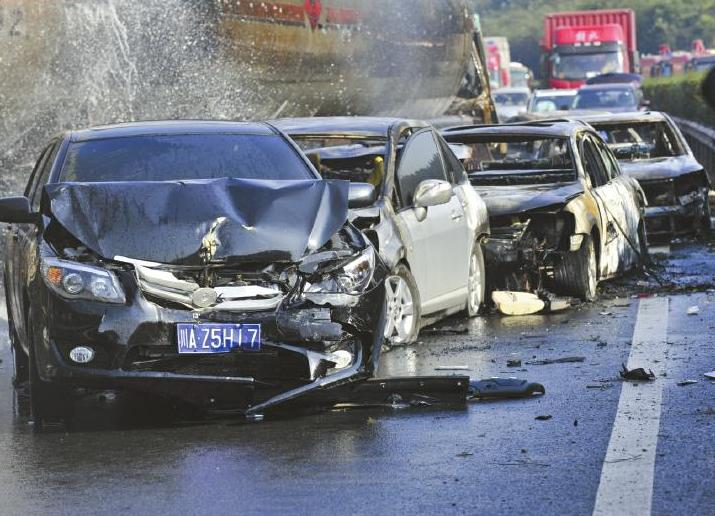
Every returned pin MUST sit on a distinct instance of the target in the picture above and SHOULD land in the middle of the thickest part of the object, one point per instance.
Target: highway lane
(133, 454)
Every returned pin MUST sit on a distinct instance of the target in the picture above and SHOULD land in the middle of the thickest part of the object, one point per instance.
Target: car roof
(608, 86)
(520, 89)
(619, 118)
(168, 127)
(348, 125)
(556, 127)
(555, 92)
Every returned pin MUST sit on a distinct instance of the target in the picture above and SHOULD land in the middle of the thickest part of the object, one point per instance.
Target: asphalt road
(609, 447)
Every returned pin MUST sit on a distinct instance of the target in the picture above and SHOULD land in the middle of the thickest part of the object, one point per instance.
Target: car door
(629, 215)
(437, 251)
(607, 196)
(22, 244)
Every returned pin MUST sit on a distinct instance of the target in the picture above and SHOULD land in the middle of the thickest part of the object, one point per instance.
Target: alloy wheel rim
(400, 310)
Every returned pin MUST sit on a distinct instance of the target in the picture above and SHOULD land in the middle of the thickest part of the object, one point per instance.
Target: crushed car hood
(660, 168)
(202, 221)
(504, 200)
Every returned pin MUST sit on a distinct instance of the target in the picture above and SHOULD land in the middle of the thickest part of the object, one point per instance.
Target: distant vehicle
(652, 150)
(701, 63)
(614, 98)
(519, 75)
(582, 44)
(427, 222)
(511, 102)
(547, 101)
(562, 215)
(615, 78)
(498, 61)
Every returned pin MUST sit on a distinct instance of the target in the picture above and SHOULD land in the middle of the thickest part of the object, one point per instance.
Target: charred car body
(651, 149)
(202, 260)
(561, 214)
(427, 222)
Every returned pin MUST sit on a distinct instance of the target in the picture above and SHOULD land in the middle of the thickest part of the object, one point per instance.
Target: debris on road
(464, 454)
(602, 386)
(513, 360)
(545, 417)
(452, 368)
(710, 375)
(687, 382)
(562, 360)
(693, 310)
(503, 388)
(638, 374)
(463, 330)
(517, 303)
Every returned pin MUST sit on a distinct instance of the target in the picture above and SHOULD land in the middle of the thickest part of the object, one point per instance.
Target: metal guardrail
(702, 141)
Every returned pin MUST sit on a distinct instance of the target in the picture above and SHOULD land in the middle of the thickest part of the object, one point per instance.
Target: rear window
(604, 99)
(187, 156)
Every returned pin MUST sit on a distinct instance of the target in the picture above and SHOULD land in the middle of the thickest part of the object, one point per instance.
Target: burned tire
(49, 403)
(477, 281)
(705, 223)
(402, 306)
(644, 258)
(577, 274)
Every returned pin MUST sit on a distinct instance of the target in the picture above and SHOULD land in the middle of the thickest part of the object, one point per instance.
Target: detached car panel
(245, 288)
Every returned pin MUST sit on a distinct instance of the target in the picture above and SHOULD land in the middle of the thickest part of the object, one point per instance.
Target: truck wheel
(48, 402)
(577, 274)
(477, 281)
(402, 320)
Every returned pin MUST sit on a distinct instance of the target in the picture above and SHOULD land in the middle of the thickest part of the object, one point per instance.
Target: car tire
(20, 362)
(643, 245)
(49, 402)
(402, 307)
(705, 224)
(577, 274)
(476, 284)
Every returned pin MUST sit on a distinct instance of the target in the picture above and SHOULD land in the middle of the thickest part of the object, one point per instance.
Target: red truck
(582, 44)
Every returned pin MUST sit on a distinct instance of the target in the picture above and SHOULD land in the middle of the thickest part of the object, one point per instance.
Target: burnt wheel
(577, 274)
(705, 224)
(643, 245)
(402, 320)
(49, 402)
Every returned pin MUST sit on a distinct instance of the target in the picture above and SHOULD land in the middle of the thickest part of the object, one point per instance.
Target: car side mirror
(361, 195)
(17, 209)
(431, 192)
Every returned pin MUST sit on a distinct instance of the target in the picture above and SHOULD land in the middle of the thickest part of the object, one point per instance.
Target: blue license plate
(217, 338)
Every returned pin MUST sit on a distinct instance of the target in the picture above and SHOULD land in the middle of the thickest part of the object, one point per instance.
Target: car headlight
(74, 280)
(347, 277)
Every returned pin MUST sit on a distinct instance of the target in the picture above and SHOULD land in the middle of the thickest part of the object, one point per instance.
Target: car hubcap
(475, 282)
(400, 310)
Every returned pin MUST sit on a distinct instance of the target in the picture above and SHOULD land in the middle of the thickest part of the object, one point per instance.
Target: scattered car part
(687, 382)
(493, 388)
(544, 417)
(710, 375)
(638, 374)
(562, 360)
(693, 310)
(517, 303)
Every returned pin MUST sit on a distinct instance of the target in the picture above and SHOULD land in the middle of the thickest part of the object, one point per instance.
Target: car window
(40, 174)
(455, 170)
(184, 156)
(419, 161)
(609, 162)
(592, 163)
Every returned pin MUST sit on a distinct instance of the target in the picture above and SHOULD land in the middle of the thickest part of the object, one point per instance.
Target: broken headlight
(79, 281)
(348, 276)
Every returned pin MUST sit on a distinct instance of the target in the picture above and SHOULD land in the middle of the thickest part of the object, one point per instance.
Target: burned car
(651, 149)
(562, 216)
(205, 261)
(427, 222)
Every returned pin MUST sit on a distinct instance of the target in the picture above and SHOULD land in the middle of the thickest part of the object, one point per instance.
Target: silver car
(427, 221)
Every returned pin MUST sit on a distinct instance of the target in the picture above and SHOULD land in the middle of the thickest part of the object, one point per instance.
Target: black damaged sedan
(205, 261)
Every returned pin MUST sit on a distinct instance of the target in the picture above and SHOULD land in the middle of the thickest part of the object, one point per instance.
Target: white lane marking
(659, 249)
(626, 486)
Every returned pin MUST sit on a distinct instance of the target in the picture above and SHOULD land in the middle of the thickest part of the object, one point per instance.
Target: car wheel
(705, 226)
(20, 362)
(476, 282)
(577, 275)
(402, 318)
(48, 402)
